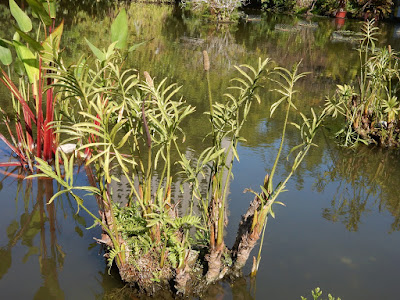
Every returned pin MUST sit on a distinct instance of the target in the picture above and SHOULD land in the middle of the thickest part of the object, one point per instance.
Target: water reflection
(364, 181)
(237, 290)
(37, 222)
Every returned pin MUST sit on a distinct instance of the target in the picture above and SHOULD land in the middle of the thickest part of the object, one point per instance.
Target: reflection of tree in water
(240, 289)
(367, 178)
(222, 45)
(32, 223)
(219, 41)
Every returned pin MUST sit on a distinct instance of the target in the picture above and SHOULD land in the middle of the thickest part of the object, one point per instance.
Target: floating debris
(346, 36)
(301, 25)
(192, 41)
(253, 18)
(287, 28)
(305, 24)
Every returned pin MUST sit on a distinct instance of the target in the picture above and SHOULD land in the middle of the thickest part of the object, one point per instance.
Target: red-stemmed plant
(32, 133)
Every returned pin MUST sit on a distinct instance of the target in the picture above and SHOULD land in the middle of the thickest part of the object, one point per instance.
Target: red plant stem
(28, 115)
(11, 164)
(39, 113)
(11, 86)
(28, 129)
(15, 150)
(12, 147)
(48, 143)
(20, 134)
(48, 131)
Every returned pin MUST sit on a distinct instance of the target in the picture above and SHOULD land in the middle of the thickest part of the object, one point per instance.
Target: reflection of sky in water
(304, 250)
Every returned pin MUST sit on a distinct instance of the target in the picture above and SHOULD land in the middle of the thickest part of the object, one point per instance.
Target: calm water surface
(340, 227)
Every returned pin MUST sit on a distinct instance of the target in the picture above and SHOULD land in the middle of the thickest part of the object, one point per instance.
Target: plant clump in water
(131, 129)
(370, 108)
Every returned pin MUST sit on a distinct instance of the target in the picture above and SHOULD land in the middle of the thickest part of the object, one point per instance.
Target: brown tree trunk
(246, 238)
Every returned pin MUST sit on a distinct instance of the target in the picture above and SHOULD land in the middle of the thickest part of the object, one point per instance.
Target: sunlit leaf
(40, 11)
(33, 44)
(24, 22)
(5, 53)
(29, 60)
(119, 30)
(52, 43)
(96, 51)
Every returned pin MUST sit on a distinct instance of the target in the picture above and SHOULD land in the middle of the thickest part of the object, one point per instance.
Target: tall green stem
(279, 151)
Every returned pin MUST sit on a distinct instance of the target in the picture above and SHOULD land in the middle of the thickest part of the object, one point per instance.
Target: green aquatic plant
(254, 221)
(129, 130)
(28, 122)
(317, 293)
(218, 10)
(370, 108)
(130, 127)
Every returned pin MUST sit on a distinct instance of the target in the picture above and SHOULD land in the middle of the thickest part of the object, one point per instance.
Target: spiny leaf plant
(370, 109)
(128, 129)
(253, 224)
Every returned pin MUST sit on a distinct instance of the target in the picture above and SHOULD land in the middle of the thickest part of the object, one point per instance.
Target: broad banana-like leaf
(33, 44)
(29, 60)
(41, 12)
(24, 22)
(119, 30)
(5, 53)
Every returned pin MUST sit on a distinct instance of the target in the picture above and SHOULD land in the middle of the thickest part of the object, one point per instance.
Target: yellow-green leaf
(52, 43)
(5, 53)
(29, 60)
(24, 22)
(119, 30)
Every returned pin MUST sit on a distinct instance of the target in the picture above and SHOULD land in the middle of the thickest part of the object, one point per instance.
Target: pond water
(340, 227)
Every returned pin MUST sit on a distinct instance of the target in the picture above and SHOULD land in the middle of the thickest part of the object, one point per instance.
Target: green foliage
(24, 22)
(371, 108)
(279, 5)
(286, 81)
(128, 130)
(360, 8)
(33, 56)
(317, 293)
(5, 53)
(215, 10)
(119, 30)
